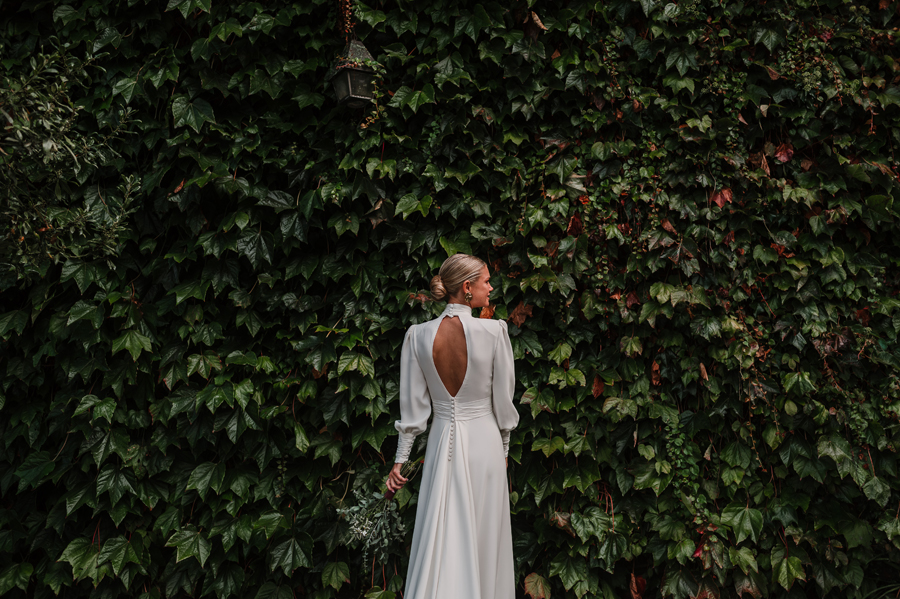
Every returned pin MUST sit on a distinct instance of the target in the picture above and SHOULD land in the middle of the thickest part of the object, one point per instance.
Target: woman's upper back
(456, 353)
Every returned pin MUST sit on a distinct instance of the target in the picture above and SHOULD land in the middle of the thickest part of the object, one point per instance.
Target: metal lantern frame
(353, 80)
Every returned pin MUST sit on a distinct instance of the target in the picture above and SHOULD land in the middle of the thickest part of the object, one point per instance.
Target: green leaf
(353, 361)
(272, 591)
(205, 476)
(560, 353)
(683, 58)
(127, 87)
(15, 576)
(81, 554)
(799, 383)
(789, 570)
(770, 38)
(744, 521)
(189, 542)
(13, 321)
(191, 114)
(134, 342)
(34, 469)
(743, 558)
(335, 575)
(706, 327)
(118, 551)
(291, 553)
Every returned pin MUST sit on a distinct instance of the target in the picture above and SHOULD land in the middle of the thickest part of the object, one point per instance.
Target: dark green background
(688, 210)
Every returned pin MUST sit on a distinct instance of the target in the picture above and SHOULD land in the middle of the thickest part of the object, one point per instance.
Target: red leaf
(863, 316)
(520, 313)
(741, 118)
(784, 152)
(598, 387)
(699, 550)
(487, 312)
(180, 186)
(773, 74)
(722, 197)
(703, 374)
(729, 238)
(637, 586)
(631, 299)
(561, 520)
(655, 378)
(576, 227)
(536, 586)
(668, 226)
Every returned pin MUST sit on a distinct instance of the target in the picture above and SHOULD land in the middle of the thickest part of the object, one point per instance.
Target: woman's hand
(395, 480)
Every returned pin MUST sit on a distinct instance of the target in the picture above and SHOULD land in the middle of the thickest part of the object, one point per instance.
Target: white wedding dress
(462, 542)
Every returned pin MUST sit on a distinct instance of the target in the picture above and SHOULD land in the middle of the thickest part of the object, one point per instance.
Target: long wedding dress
(462, 542)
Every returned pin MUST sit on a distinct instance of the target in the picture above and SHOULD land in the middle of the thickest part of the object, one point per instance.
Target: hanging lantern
(353, 80)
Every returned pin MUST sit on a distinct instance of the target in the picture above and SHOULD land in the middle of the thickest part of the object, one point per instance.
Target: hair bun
(438, 291)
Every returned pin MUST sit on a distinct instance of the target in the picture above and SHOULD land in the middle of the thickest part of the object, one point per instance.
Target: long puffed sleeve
(503, 386)
(415, 401)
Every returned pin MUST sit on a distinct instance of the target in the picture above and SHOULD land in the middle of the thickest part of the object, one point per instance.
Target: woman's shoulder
(489, 325)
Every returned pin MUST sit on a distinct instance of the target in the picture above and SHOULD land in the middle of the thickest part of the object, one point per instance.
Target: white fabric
(462, 542)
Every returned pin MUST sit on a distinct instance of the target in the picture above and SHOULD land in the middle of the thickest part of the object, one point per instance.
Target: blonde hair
(456, 270)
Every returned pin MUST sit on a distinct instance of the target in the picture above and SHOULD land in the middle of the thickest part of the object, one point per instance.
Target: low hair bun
(438, 291)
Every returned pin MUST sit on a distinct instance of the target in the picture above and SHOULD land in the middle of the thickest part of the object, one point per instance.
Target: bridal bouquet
(375, 521)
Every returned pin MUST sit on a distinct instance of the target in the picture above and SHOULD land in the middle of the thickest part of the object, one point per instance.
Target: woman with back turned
(460, 369)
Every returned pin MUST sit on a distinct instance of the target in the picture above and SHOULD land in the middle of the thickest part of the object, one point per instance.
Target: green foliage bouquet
(375, 521)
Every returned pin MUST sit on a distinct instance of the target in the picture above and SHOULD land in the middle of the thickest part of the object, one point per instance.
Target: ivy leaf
(335, 574)
(127, 86)
(358, 362)
(560, 353)
(134, 342)
(109, 36)
(15, 576)
(191, 114)
(877, 490)
(118, 551)
(189, 542)
(770, 38)
(743, 558)
(81, 554)
(789, 570)
(206, 476)
(684, 58)
(631, 346)
(34, 469)
(570, 570)
(272, 591)
(13, 321)
(799, 383)
(291, 554)
(706, 327)
(744, 521)
(462, 172)
(536, 586)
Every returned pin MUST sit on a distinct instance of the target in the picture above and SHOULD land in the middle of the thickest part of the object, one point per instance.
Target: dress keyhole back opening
(450, 354)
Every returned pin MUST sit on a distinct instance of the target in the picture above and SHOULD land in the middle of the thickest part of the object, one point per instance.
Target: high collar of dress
(457, 310)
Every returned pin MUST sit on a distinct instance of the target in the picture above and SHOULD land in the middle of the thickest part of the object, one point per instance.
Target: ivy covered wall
(688, 211)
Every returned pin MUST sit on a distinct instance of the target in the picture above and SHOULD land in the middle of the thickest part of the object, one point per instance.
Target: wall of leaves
(688, 209)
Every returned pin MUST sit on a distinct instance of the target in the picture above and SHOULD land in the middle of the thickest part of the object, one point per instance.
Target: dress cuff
(404, 446)
(505, 436)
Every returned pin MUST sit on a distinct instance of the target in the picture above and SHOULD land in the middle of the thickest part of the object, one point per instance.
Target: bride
(460, 369)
